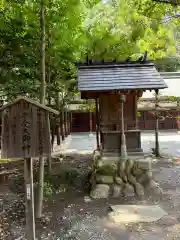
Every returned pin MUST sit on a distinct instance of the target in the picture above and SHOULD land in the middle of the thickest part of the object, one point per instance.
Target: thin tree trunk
(42, 52)
(39, 203)
(49, 159)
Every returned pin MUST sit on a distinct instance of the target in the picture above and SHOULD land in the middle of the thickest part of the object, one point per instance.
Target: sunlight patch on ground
(136, 213)
(75, 151)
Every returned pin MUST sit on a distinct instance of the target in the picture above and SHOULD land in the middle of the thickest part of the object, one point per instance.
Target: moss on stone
(107, 169)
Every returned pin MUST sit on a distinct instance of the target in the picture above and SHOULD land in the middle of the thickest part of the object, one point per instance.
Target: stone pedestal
(111, 177)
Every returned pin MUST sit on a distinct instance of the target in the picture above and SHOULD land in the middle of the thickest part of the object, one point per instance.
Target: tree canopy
(115, 29)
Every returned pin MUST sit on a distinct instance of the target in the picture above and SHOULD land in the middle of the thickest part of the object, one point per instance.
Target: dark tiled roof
(119, 77)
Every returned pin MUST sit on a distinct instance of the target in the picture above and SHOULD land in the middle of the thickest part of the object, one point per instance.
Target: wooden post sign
(26, 134)
(25, 130)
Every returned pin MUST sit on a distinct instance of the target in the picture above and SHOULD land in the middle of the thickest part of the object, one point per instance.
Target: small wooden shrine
(106, 82)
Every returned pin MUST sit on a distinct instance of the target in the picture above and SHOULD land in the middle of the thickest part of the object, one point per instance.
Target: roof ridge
(116, 65)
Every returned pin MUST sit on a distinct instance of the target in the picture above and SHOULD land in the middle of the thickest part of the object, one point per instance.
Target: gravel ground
(72, 215)
(88, 220)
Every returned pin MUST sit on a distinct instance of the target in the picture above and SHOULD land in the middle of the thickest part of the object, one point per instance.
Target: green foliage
(172, 98)
(20, 41)
(48, 189)
(74, 28)
(107, 169)
(138, 114)
(128, 28)
(89, 106)
(170, 64)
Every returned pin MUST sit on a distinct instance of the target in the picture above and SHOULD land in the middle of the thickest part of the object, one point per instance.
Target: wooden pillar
(136, 111)
(69, 127)
(71, 122)
(65, 123)
(53, 131)
(156, 126)
(99, 119)
(28, 175)
(178, 115)
(68, 130)
(97, 124)
(90, 121)
(58, 134)
(123, 137)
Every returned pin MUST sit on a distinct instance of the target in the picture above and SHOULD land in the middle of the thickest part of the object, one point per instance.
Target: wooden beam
(28, 175)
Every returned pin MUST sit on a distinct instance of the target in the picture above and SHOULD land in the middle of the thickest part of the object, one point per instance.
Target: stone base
(112, 141)
(129, 177)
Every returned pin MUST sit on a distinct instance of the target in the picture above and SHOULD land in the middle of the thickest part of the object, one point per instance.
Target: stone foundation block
(153, 188)
(104, 179)
(139, 189)
(118, 180)
(107, 169)
(117, 190)
(145, 177)
(128, 190)
(142, 164)
(100, 191)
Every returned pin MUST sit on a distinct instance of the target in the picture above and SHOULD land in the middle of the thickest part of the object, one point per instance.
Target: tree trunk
(49, 159)
(42, 52)
(60, 129)
(39, 203)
